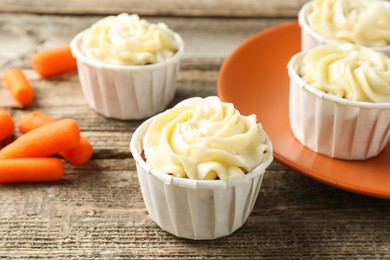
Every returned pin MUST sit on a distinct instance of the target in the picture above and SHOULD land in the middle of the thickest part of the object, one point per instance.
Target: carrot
(54, 61)
(19, 86)
(6, 125)
(77, 155)
(33, 120)
(31, 170)
(44, 141)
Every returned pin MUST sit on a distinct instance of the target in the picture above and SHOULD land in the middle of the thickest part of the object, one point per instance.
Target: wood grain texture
(225, 8)
(97, 211)
(207, 40)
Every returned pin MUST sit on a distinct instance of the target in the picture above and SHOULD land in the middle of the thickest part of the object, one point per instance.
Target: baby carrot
(19, 86)
(77, 155)
(33, 120)
(54, 61)
(31, 170)
(6, 125)
(44, 141)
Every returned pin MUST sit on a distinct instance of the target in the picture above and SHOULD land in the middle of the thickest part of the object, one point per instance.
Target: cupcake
(202, 167)
(340, 100)
(361, 22)
(128, 66)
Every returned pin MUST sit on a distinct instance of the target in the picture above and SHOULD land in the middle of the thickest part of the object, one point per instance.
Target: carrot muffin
(204, 164)
(340, 100)
(361, 22)
(128, 66)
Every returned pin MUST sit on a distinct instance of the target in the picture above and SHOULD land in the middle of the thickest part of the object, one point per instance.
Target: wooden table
(97, 211)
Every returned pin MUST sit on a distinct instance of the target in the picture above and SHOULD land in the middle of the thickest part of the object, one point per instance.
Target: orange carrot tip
(33, 120)
(54, 61)
(31, 170)
(44, 141)
(78, 155)
(6, 125)
(19, 86)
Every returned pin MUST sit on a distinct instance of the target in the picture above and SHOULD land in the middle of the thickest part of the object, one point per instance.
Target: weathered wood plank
(98, 213)
(207, 40)
(227, 8)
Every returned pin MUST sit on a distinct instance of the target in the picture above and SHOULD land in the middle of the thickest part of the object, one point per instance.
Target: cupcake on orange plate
(203, 167)
(128, 66)
(361, 22)
(340, 100)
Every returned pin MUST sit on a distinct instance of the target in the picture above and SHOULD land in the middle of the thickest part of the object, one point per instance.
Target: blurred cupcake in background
(361, 22)
(128, 66)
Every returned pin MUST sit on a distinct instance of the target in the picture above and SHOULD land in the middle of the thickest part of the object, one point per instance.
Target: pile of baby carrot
(29, 157)
(47, 63)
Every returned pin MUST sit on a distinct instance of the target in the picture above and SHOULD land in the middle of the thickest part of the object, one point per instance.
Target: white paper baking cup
(311, 38)
(196, 209)
(334, 126)
(127, 92)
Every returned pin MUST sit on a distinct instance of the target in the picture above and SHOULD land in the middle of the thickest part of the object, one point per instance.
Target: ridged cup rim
(302, 20)
(77, 53)
(136, 149)
(292, 66)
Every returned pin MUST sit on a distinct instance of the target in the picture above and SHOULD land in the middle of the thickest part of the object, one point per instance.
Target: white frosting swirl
(348, 71)
(128, 40)
(205, 139)
(363, 22)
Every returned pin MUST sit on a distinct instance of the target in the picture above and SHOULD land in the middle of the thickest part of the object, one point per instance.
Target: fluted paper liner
(311, 38)
(334, 126)
(196, 209)
(127, 91)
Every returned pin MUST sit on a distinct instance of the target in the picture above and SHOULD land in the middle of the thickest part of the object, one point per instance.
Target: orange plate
(254, 78)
